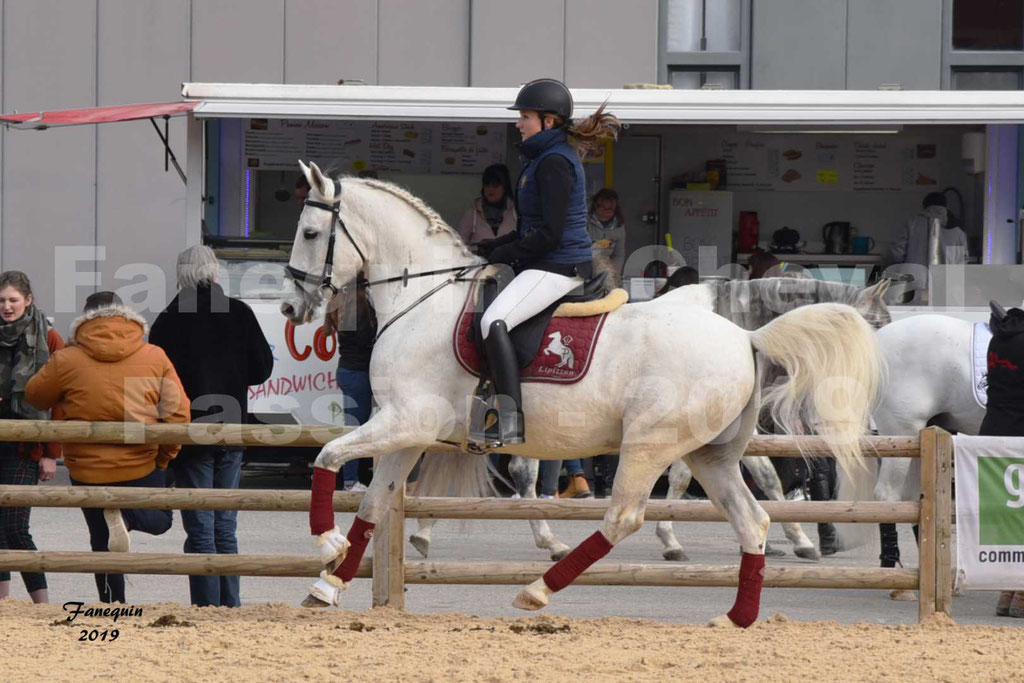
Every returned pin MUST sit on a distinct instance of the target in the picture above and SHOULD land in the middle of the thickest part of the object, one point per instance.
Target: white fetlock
(533, 597)
(722, 621)
(333, 547)
(328, 589)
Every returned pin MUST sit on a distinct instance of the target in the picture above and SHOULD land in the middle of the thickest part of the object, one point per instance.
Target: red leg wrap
(575, 563)
(321, 503)
(748, 595)
(358, 536)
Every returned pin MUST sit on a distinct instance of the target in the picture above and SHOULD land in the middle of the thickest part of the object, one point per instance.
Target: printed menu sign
(390, 146)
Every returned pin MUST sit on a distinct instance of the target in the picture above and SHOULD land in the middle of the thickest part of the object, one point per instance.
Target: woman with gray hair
(218, 350)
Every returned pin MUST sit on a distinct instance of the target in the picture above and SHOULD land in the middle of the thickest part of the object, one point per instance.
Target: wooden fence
(391, 572)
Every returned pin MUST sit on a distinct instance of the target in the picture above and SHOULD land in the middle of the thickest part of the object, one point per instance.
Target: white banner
(989, 512)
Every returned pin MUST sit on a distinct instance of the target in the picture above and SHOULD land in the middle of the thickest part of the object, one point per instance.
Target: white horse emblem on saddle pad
(558, 347)
(981, 337)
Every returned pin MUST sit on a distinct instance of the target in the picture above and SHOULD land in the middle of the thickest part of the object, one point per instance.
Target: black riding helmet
(545, 96)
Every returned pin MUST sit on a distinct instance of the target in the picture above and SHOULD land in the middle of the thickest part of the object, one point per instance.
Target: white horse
(666, 381)
(750, 304)
(931, 381)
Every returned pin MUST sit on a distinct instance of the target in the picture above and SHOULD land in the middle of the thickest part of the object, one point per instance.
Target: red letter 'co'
(324, 344)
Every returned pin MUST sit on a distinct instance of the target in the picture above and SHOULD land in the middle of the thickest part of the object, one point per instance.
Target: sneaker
(118, 541)
(357, 487)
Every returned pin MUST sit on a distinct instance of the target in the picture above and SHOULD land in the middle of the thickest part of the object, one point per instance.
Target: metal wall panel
(894, 42)
(326, 40)
(238, 41)
(143, 56)
(798, 45)
(423, 43)
(49, 197)
(515, 42)
(609, 43)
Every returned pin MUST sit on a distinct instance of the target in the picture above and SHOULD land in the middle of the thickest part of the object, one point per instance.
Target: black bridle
(326, 278)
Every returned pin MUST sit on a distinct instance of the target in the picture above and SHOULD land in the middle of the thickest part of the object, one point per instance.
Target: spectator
(607, 228)
(301, 191)
(219, 350)
(26, 342)
(912, 245)
(108, 373)
(684, 276)
(763, 264)
(1004, 414)
(493, 213)
(356, 326)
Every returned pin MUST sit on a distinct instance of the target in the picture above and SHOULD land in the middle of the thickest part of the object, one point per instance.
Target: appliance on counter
(786, 241)
(700, 222)
(747, 232)
(836, 236)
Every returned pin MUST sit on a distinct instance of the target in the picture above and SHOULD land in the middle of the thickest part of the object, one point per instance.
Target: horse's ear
(882, 287)
(319, 181)
(305, 172)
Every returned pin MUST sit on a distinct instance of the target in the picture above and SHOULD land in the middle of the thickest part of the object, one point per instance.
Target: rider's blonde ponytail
(588, 134)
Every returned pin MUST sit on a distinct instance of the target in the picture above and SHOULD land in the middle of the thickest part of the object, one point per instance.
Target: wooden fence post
(389, 555)
(944, 523)
(927, 558)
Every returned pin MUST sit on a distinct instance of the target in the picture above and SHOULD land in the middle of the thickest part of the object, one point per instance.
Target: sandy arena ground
(171, 642)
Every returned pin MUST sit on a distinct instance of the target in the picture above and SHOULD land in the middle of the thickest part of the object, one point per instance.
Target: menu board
(801, 163)
(389, 146)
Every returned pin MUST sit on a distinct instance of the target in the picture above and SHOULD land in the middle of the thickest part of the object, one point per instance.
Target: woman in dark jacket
(26, 343)
(1004, 414)
(218, 351)
(550, 249)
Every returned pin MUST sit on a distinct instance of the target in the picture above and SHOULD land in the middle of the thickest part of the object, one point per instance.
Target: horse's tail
(833, 374)
(462, 475)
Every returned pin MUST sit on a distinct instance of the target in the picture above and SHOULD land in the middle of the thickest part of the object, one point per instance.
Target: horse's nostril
(288, 310)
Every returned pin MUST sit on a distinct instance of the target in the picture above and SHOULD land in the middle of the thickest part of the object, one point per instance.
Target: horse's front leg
(763, 472)
(679, 476)
(638, 470)
(524, 477)
(390, 473)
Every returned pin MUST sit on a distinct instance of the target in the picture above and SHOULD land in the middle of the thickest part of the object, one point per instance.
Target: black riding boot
(819, 485)
(504, 366)
(890, 556)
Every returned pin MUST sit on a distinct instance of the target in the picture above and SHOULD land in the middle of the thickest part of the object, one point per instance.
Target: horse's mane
(435, 224)
(753, 303)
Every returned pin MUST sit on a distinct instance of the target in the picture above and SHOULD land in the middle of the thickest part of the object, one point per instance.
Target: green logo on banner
(1001, 500)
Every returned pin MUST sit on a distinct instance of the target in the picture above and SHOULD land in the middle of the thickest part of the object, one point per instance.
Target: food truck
(824, 179)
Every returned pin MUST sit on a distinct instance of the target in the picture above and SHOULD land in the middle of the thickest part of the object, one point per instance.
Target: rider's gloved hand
(485, 247)
(506, 253)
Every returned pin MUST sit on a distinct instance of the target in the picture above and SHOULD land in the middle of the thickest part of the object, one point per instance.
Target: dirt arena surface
(169, 642)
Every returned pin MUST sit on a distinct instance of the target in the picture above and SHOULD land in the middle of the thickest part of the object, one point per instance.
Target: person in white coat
(912, 245)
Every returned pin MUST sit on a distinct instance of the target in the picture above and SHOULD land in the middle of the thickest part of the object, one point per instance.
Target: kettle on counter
(836, 236)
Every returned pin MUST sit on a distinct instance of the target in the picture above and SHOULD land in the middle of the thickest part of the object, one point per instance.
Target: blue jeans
(358, 403)
(156, 522)
(210, 531)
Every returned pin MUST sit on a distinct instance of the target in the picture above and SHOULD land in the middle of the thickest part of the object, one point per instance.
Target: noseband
(326, 278)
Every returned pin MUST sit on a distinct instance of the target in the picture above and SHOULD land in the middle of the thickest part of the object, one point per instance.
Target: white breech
(527, 295)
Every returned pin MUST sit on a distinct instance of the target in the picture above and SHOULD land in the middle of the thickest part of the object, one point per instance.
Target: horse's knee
(623, 524)
(326, 459)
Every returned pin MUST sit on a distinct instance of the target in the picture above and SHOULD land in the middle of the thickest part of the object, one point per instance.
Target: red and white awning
(75, 117)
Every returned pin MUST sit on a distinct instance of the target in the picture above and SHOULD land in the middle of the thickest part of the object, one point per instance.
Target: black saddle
(528, 335)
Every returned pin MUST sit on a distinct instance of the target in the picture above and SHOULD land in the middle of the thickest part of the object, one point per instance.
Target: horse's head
(325, 257)
(871, 305)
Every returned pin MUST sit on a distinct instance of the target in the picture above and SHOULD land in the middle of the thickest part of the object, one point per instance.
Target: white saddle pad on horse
(980, 337)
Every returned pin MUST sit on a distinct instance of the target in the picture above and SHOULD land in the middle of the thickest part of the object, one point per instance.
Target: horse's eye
(310, 234)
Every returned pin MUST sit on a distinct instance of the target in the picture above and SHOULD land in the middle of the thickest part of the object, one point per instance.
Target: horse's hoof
(772, 551)
(533, 597)
(421, 544)
(902, 596)
(314, 602)
(722, 622)
(559, 553)
(675, 555)
(807, 553)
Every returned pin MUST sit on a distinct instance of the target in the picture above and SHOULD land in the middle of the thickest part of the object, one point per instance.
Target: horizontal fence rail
(205, 434)
(455, 573)
(440, 508)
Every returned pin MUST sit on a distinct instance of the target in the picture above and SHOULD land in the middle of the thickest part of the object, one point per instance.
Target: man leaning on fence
(107, 373)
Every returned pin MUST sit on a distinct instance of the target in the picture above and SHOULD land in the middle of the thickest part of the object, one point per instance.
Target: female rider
(550, 249)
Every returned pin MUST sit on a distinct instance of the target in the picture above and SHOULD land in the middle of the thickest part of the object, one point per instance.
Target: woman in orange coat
(108, 373)
(26, 342)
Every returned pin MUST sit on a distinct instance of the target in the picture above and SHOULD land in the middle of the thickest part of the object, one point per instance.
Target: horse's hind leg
(524, 477)
(763, 472)
(639, 468)
(679, 477)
